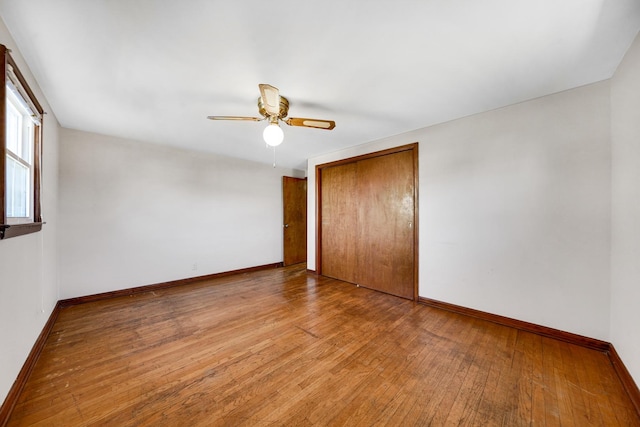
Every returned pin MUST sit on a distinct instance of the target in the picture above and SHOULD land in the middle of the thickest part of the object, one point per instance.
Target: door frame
(408, 147)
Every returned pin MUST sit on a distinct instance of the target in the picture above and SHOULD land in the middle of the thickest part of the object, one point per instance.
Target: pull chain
(274, 157)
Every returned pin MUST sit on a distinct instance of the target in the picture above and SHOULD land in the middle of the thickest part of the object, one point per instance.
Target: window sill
(14, 230)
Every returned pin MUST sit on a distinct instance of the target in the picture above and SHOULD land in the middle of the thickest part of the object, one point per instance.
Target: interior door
(385, 242)
(339, 215)
(294, 200)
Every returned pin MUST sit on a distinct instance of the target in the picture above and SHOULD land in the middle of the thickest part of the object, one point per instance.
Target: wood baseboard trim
(625, 377)
(18, 385)
(164, 285)
(545, 331)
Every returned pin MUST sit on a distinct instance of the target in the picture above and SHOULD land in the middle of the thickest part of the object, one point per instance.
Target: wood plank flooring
(286, 347)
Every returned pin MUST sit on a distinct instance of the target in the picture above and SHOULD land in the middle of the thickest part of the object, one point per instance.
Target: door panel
(338, 227)
(294, 195)
(385, 223)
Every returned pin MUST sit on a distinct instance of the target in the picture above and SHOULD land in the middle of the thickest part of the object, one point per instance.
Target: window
(20, 143)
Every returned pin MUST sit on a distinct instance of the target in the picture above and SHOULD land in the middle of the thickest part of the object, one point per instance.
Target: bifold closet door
(367, 223)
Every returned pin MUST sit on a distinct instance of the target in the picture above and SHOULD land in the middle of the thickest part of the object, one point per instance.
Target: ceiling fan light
(273, 135)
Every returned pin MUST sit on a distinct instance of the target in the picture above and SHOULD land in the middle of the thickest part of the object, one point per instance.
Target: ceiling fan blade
(270, 99)
(311, 123)
(253, 119)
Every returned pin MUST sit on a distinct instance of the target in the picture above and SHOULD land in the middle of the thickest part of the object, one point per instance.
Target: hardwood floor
(286, 347)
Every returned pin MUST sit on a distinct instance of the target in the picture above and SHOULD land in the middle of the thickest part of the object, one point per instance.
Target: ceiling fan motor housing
(284, 108)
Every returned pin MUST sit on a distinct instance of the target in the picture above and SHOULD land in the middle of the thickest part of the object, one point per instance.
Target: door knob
(286, 226)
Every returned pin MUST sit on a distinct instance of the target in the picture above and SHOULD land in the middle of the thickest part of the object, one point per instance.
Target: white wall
(514, 209)
(28, 264)
(625, 252)
(134, 213)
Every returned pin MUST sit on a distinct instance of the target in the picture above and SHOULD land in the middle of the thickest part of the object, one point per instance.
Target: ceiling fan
(274, 108)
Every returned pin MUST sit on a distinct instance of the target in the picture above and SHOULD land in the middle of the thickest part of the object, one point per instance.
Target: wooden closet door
(339, 226)
(385, 239)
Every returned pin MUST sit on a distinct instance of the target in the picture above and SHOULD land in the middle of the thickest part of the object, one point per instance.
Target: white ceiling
(152, 70)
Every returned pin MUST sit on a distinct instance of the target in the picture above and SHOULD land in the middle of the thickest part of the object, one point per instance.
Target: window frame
(35, 224)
